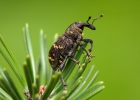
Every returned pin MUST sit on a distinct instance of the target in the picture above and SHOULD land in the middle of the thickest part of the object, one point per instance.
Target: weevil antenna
(97, 18)
(88, 18)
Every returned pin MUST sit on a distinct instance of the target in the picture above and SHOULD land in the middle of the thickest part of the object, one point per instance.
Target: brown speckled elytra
(64, 48)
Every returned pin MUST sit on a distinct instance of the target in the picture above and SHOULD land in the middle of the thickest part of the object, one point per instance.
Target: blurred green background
(116, 40)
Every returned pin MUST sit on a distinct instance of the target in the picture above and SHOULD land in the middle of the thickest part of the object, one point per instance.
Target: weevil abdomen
(58, 51)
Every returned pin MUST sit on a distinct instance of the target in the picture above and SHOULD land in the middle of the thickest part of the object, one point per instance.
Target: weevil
(66, 45)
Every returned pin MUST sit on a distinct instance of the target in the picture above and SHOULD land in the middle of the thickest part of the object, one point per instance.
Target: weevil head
(87, 24)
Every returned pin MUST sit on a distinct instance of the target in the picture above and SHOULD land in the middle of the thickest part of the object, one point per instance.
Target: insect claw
(63, 83)
(90, 55)
(89, 59)
(79, 65)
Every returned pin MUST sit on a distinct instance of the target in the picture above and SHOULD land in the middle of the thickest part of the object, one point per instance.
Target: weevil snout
(91, 27)
(82, 25)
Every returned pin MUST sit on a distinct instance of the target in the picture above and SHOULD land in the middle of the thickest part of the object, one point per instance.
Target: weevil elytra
(66, 45)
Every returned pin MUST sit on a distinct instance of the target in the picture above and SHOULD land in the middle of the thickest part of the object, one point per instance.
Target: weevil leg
(63, 82)
(88, 54)
(89, 41)
(77, 62)
(71, 53)
(63, 63)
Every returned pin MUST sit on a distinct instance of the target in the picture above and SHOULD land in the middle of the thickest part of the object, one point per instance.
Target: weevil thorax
(73, 31)
(76, 29)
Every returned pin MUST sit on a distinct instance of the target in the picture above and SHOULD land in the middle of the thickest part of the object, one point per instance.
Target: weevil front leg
(88, 54)
(89, 41)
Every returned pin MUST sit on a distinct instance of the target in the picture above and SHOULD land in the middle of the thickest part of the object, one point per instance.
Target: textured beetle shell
(56, 52)
(63, 45)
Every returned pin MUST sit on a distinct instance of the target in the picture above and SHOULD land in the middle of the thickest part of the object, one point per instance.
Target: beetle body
(67, 44)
